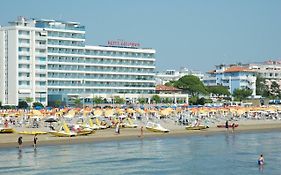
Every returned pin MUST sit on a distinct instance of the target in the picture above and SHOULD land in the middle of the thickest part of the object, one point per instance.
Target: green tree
(167, 100)
(193, 100)
(201, 101)
(119, 100)
(156, 99)
(261, 87)
(37, 104)
(57, 103)
(170, 83)
(29, 100)
(192, 85)
(241, 94)
(218, 90)
(180, 101)
(22, 105)
(275, 89)
(142, 100)
(77, 102)
(98, 100)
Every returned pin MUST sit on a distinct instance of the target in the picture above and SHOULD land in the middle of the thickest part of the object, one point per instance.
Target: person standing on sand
(6, 124)
(20, 142)
(141, 132)
(226, 125)
(117, 129)
(233, 126)
(35, 141)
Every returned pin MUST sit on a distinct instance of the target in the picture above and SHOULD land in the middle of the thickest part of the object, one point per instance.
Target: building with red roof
(233, 77)
(162, 89)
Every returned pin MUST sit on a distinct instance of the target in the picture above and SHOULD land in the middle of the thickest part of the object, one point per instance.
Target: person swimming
(261, 160)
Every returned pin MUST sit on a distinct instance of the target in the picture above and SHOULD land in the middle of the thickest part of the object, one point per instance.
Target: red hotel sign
(123, 43)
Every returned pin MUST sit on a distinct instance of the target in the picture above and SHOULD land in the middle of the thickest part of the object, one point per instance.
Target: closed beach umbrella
(108, 113)
(50, 120)
(98, 112)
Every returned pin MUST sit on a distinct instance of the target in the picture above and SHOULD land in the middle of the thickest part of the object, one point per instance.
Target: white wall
(32, 64)
(12, 67)
(2, 67)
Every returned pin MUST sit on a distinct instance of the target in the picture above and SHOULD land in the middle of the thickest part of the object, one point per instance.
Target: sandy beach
(10, 140)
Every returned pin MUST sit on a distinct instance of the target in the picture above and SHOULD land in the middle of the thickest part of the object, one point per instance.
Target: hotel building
(233, 77)
(48, 60)
(269, 70)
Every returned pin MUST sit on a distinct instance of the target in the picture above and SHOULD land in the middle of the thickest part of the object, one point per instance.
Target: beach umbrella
(50, 120)
(70, 114)
(98, 112)
(36, 112)
(130, 110)
(120, 111)
(108, 113)
(140, 111)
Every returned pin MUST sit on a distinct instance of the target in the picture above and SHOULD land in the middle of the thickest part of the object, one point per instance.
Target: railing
(67, 36)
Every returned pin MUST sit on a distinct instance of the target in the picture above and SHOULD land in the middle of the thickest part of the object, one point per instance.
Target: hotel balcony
(66, 39)
(41, 79)
(120, 57)
(24, 70)
(51, 70)
(98, 87)
(102, 63)
(24, 53)
(23, 36)
(23, 44)
(38, 62)
(41, 38)
(21, 61)
(23, 78)
(65, 54)
(41, 46)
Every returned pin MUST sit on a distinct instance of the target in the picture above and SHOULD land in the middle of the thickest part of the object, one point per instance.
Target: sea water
(223, 153)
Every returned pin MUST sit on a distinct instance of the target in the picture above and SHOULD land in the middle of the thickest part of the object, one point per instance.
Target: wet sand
(10, 140)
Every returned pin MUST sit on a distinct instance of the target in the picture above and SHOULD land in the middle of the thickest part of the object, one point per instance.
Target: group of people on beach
(20, 142)
(227, 126)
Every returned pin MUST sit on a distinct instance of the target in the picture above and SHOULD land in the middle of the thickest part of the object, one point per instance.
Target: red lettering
(123, 43)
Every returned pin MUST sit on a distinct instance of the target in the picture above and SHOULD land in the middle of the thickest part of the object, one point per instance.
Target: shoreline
(10, 140)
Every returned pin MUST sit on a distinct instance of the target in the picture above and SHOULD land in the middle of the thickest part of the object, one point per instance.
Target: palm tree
(77, 102)
(29, 101)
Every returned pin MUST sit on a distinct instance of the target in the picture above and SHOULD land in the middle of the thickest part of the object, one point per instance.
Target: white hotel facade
(48, 60)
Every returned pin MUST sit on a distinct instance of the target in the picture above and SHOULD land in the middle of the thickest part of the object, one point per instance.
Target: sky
(197, 34)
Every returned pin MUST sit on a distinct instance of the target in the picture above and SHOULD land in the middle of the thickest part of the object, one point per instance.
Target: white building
(233, 77)
(23, 62)
(173, 75)
(270, 70)
(48, 60)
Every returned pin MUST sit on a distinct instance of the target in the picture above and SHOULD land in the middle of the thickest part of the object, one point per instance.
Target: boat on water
(6, 130)
(199, 127)
(79, 130)
(32, 132)
(63, 131)
(90, 124)
(130, 124)
(156, 127)
(101, 124)
(229, 126)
